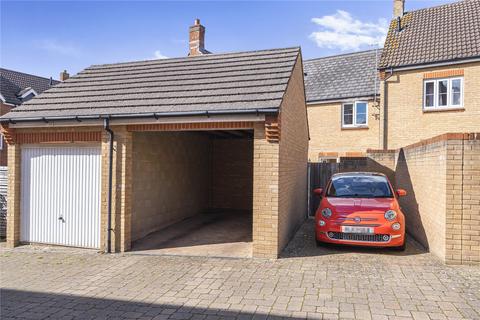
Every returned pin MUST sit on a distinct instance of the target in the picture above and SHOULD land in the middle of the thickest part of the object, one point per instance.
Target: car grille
(358, 237)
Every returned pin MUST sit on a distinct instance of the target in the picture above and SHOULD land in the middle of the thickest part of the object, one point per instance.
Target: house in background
(17, 88)
(343, 105)
(426, 128)
(430, 70)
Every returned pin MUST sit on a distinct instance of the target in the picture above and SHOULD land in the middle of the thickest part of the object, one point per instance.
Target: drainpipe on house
(106, 126)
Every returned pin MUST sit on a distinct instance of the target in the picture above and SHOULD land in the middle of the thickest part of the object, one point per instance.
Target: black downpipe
(106, 126)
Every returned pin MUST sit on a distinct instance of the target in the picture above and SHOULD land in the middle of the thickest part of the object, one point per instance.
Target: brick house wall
(293, 152)
(408, 123)
(327, 134)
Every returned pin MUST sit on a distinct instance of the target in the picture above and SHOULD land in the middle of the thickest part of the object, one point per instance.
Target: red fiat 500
(360, 208)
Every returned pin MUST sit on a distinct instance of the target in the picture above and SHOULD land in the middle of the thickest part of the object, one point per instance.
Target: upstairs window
(443, 93)
(354, 114)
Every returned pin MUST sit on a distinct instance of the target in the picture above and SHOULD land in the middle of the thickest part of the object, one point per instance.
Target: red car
(360, 208)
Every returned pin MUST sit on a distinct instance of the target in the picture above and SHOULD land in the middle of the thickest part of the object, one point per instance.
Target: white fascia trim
(345, 100)
(99, 122)
(433, 65)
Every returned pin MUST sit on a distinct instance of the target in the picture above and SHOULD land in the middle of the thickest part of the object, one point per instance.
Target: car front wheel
(402, 247)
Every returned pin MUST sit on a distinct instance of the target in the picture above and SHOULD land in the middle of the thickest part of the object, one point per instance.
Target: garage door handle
(61, 219)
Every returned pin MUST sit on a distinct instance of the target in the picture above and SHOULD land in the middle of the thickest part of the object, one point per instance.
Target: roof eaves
(431, 64)
(258, 111)
(341, 99)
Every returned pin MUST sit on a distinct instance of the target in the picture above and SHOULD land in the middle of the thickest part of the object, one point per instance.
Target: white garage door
(60, 194)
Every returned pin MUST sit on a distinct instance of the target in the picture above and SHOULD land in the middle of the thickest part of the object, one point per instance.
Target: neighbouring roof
(13, 84)
(438, 34)
(342, 76)
(215, 82)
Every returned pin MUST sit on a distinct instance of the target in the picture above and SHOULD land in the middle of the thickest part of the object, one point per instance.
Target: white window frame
(355, 124)
(449, 94)
(1, 141)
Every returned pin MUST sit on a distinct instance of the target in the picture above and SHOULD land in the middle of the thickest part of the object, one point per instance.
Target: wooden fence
(318, 175)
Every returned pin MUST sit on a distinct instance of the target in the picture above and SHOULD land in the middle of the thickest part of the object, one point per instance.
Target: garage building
(205, 154)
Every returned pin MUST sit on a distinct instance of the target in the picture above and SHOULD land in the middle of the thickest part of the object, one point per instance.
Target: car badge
(357, 219)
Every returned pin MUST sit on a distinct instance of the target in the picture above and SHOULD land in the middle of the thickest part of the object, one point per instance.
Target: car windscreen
(359, 187)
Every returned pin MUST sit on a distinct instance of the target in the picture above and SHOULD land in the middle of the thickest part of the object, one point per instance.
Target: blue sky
(43, 38)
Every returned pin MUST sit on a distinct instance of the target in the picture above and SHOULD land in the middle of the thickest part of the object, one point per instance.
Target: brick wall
(421, 172)
(293, 154)
(442, 207)
(232, 174)
(327, 134)
(265, 195)
(171, 180)
(121, 189)
(408, 123)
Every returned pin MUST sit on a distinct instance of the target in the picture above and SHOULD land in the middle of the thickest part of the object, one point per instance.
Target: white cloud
(159, 55)
(342, 31)
(56, 47)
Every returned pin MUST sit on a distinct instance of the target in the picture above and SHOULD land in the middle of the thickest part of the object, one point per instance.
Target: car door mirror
(401, 192)
(318, 191)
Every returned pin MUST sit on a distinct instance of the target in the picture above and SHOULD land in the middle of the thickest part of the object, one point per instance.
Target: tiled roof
(214, 82)
(443, 33)
(13, 83)
(342, 76)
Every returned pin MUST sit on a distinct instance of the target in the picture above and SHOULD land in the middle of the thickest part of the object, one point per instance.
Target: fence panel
(319, 174)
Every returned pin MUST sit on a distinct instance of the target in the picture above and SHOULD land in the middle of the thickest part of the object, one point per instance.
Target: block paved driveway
(308, 282)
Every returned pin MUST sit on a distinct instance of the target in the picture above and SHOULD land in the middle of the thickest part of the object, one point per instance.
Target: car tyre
(402, 247)
(321, 243)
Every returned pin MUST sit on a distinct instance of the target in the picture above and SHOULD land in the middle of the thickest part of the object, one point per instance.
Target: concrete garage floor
(224, 234)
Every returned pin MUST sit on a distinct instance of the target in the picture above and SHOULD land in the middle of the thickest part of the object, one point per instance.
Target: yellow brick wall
(265, 195)
(232, 174)
(293, 152)
(463, 202)
(171, 180)
(13, 196)
(442, 208)
(422, 173)
(407, 123)
(327, 134)
(121, 190)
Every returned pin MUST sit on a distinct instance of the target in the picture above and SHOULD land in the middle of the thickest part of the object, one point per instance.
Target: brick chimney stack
(398, 8)
(197, 39)
(64, 75)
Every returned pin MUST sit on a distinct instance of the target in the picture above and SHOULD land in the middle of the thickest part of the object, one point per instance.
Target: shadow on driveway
(16, 304)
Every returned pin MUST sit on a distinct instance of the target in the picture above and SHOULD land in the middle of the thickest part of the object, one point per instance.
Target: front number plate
(348, 229)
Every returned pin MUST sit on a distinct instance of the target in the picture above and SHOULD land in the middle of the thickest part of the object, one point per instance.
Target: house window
(354, 114)
(1, 141)
(443, 93)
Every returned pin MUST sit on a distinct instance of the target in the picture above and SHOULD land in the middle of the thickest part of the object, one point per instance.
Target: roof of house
(13, 84)
(342, 76)
(438, 34)
(216, 82)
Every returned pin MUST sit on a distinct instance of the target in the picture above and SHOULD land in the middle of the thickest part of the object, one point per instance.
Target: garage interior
(193, 193)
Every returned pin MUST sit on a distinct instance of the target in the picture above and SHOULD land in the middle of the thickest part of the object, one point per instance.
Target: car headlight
(396, 226)
(390, 215)
(327, 213)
